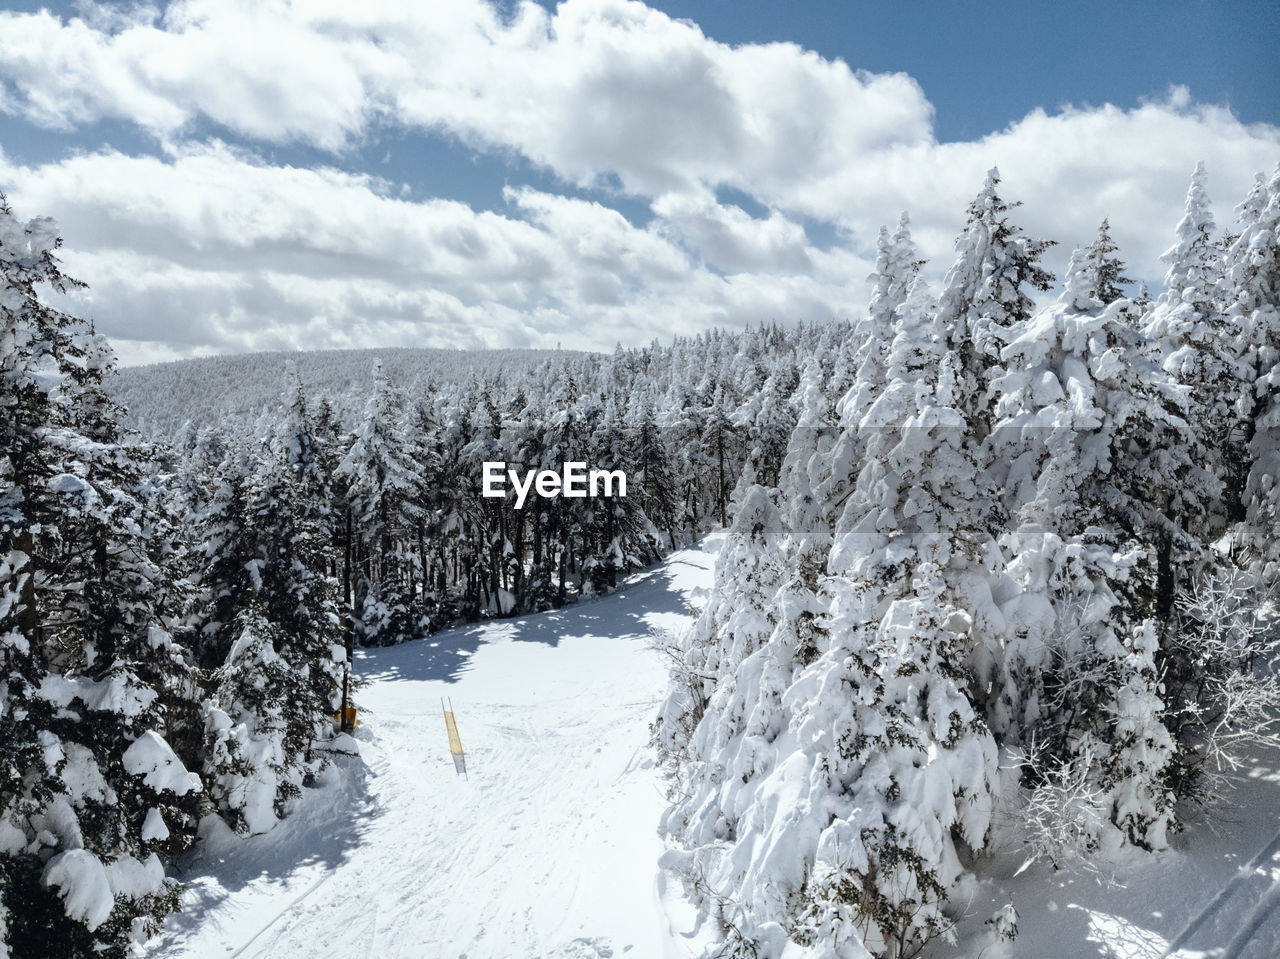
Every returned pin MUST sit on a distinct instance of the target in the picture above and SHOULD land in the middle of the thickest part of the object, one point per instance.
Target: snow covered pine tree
(90, 790)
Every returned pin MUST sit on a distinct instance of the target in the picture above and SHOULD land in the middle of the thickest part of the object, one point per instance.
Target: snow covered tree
(765, 422)
(719, 446)
(288, 509)
(921, 768)
(652, 472)
(723, 715)
(814, 480)
(225, 552)
(1104, 269)
(1251, 291)
(1195, 342)
(985, 295)
(381, 487)
(897, 266)
(1107, 479)
(886, 713)
(735, 622)
(849, 837)
(258, 737)
(92, 679)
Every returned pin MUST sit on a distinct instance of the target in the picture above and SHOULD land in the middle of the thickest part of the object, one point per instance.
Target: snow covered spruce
(1019, 562)
(149, 679)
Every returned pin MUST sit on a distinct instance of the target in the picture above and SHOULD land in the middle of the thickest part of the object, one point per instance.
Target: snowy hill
(549, 849)
(236, 389)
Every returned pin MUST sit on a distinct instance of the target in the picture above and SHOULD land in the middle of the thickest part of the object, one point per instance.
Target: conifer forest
(997, 566)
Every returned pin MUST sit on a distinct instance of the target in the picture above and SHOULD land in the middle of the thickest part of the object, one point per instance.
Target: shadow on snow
(445, 656)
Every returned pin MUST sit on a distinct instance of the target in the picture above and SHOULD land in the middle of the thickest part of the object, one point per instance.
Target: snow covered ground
(549, 849)
(1215, 894)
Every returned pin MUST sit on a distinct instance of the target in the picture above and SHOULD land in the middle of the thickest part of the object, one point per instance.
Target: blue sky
(233, 176)
(984, 65)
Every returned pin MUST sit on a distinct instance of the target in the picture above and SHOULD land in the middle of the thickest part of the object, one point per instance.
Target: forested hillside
(980, 554)
(1019, 578)
(165, 400)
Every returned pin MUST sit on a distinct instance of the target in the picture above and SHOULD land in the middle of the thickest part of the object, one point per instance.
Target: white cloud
(600, 89)
(1070, 169)
(729, 239)
(210, 249)
(600, 93)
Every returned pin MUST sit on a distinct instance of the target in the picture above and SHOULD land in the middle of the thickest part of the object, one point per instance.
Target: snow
(1214, 892)
(83, 778)
(12, 839)
(82, 881)
(136, 879)
(251, 784)
(153, 827)
(549, 849)
(115, 694)
(152, 758)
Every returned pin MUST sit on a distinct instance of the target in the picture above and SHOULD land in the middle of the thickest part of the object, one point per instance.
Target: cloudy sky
(234, 175)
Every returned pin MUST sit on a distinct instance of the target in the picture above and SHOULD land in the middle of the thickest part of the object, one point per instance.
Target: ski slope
(549, 849)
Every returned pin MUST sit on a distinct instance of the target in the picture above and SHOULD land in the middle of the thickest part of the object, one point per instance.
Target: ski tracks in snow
(548, 851)
(1238, 914)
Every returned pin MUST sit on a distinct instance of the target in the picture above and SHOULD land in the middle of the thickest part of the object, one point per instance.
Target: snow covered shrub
(387, 618)
(1226, 696)
(1065, 813)
(257, 743)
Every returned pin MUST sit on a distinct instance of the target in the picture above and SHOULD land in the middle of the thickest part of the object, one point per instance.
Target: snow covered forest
(1000, 556)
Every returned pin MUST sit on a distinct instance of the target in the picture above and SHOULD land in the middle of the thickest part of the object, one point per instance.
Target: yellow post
(455, 741)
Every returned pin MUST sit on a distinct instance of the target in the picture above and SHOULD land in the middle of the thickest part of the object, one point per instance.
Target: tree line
(1016, 583)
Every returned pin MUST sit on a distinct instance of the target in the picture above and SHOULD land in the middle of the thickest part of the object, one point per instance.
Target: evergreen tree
(382, 487)
(1108, 478)
(896, 269)
(93, 680)
(225, 553)
(719, 446)
(653, 473)
(258, 732)
(907, 606)
(1104, 268)
(289, 507)
(1194, 340)
(1251, 291)
(985, 295)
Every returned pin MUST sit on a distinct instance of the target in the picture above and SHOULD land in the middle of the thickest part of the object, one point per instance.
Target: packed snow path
(548, 850)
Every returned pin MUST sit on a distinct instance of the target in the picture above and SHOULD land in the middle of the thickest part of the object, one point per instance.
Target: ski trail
(280, 915)
(548, 851)
(1267, 907)
(1215, 905)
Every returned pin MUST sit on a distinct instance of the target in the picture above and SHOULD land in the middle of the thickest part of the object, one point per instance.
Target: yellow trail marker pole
(455, 741)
